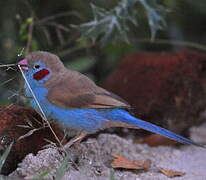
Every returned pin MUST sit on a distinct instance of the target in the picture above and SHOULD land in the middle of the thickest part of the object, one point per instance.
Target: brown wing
(74, 90)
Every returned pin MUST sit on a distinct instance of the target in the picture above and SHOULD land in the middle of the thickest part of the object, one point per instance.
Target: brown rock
(13, 122)
(167, 89)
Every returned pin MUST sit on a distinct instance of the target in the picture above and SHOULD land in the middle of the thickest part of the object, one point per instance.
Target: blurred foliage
(113, 24)
(91, 36)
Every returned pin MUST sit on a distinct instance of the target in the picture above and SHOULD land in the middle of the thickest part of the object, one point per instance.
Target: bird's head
(40, 65)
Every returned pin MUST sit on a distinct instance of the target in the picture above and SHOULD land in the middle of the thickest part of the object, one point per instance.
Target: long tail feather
(156, 129)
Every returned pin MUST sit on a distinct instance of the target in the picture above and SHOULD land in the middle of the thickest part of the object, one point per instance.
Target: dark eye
(36, 66)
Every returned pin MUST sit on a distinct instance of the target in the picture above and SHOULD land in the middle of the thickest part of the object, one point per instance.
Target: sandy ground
(93, 159)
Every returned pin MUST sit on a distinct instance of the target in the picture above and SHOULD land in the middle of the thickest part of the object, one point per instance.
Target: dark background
(48, 25)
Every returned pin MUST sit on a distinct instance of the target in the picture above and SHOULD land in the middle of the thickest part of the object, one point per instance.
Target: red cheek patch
(40, 74)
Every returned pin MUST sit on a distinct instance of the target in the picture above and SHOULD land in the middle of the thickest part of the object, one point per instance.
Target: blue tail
(125, 117)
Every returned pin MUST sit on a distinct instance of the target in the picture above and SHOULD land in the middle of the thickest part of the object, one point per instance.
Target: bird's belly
(89, 120)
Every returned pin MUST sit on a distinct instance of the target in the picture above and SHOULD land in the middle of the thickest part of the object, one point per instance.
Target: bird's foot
(77, 139)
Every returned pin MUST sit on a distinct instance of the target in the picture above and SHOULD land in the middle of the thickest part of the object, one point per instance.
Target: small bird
(76, 102)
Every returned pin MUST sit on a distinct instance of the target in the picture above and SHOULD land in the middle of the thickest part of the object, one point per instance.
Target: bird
(76, 102)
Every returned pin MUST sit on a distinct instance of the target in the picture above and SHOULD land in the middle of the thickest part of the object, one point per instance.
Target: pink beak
(24, 64)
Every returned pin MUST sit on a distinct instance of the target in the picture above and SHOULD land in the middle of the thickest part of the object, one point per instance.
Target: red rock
(10, 119)
(167, 88)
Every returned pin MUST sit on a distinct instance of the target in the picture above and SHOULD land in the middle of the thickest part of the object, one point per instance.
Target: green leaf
(62, 169)
(5, 155)
(29, 20)
(41, 175)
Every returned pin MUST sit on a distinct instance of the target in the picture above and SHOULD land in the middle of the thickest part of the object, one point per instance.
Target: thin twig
(7, 107)
(71, 13)
(21, 52)
(30, 35)
(74, 49)
(7, 65)
(60, 36)
(29, 133)
(172, 42)
(40, 108)
(47, 35)
(13, 94)
(58, 26)
(7, 81)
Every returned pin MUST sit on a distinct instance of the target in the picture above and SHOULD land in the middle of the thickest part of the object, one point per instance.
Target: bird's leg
(77, 138)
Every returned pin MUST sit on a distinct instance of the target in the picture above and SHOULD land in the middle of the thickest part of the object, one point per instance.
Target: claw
(77, 139)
